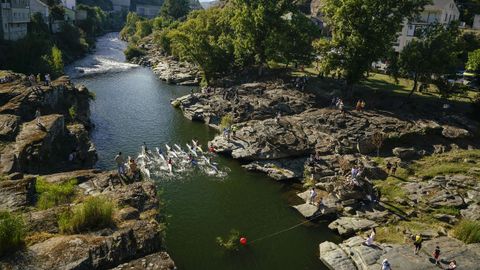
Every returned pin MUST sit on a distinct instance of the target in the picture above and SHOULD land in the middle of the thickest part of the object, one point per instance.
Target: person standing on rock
(394, 168)
(47, 79)
(37, 117)
(120, 160)
(436, 255)
(386, 265)
(389, 167)
(313, 195)
(418, 244)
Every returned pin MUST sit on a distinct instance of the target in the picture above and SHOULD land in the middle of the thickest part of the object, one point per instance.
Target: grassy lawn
(452, 162)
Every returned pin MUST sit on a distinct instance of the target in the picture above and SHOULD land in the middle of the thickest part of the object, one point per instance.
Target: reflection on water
(132, 107)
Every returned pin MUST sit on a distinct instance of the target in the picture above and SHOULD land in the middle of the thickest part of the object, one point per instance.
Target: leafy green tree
(130, 27)
(175, 9)
(204, 39)
(56, 61)
(474, 60)
(270, 30)
(432, 55)
(143, 28)
(363, 32)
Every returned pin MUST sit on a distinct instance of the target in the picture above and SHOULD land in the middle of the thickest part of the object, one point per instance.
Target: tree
(270, 30)
(430, 56)
(175, 9)
(363, 31)
(474, 60)
(57, 61)
(205, 40)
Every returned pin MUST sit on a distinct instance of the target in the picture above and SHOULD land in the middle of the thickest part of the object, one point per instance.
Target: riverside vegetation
(54, 205)
(278, 102)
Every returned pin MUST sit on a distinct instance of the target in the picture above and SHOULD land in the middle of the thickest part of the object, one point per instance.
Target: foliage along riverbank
(55, 210)
(42, 51)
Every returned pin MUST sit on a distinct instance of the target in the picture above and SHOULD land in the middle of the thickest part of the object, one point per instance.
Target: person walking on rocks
(47, 79)
(394, 168)
(436, 255)
(120, 160)
(313, 195)
(37, 117)
(386, 265)
(417, 243)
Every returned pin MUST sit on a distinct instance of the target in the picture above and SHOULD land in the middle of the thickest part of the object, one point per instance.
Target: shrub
(72, 111)
(231, 242)
(468, 231)
(94, 213)
(132, 52)
(12, 232)
(50, 194)
(227, 121)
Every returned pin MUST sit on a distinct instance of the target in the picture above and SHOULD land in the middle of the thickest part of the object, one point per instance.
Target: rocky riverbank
(278, 130)
(46, 179)
(167, 68)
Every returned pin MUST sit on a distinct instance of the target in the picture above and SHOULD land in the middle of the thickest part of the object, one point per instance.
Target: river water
(131, 107)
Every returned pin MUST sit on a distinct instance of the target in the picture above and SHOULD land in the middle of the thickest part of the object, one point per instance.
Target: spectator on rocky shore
(389, 167)
(386, 265)
(120, 160)
(452, 265)
(417, 243)
(436, 255)
(313, 195)
(371, 237)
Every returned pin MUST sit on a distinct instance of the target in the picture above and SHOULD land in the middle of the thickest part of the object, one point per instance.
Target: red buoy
(243, 241)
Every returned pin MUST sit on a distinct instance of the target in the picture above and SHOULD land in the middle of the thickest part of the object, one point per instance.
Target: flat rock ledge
(352, 254)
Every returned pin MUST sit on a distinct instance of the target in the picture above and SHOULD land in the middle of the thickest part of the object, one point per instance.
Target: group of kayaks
(175, 160)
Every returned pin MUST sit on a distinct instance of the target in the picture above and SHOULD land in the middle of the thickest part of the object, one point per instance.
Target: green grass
(452, 162)
(391, 234)
(51, 195)
(447, 210)
(72, 111)
(468, 231)
(12, 232)
(94, 213)
(390, 189)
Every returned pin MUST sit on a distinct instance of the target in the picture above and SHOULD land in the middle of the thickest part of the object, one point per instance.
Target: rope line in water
(279, 232)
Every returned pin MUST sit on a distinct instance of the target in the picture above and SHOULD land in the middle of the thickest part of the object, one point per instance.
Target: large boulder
(8, 126)
(334, 257)
(404, 153)
(452, 132)
(348, 225)
(17, 194)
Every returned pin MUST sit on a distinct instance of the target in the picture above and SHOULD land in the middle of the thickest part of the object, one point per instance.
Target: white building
(14, 19)
(440, 11)
(121, 5)
(37, 6)
(70, 4)
(148, 11)
(476, 22)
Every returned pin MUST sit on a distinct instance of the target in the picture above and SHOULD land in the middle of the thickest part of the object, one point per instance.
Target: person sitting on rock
(386, 265)
(134, 169)
(452, 265)
(120, 160)
(359, 105)
(370, 238)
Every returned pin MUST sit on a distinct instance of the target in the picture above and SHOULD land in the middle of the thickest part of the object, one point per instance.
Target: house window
(411, 30)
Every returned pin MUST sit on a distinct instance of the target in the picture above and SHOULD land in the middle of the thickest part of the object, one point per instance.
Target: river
(131, 107)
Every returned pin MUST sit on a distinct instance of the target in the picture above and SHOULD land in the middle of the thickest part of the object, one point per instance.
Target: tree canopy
(175, 9)
(474, 60)
(363, 32)
(432, 55)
